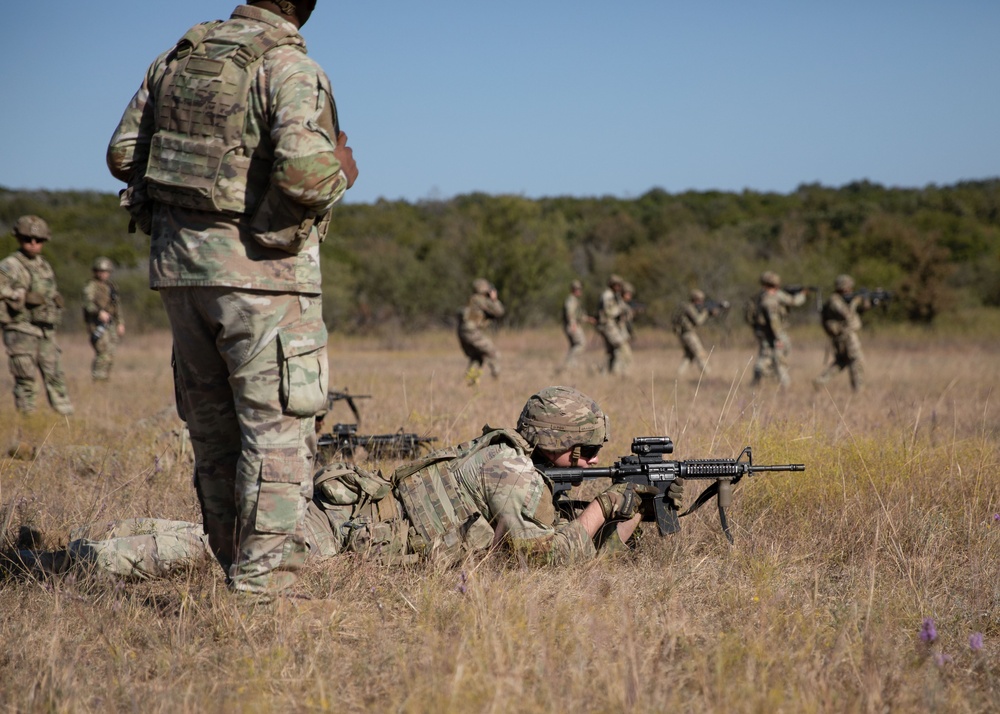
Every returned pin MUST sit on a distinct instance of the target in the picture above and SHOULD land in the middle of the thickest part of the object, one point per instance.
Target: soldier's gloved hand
(33, 299)
(675, 494)
(622, 500)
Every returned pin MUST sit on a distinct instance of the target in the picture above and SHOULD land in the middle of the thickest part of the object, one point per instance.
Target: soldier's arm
(304, 132)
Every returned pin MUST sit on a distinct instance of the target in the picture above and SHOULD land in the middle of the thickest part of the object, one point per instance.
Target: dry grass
(816, 608)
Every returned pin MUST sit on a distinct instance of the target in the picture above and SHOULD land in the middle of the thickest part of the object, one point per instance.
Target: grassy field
(819, 606)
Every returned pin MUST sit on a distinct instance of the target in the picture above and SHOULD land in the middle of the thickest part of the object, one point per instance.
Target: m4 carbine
(646, 466)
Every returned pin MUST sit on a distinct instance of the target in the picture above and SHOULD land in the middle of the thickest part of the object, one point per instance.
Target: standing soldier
(30, 311)
(573, 318)
(483, 307)
(103, 315)
(613, 316)
(768, 317)
(234, 158)
(842, 321)
(688, 319)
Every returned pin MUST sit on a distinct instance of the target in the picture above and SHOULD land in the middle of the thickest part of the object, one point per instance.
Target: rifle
(333, 396)
(346, 440)
(716, 307)
(647, 467)
(876, 297)
(796, 289)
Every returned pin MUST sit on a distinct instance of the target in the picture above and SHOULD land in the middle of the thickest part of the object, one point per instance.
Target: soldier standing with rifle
(689, 318)
(30, 311)
(484, 306)
(103, 315)
(234, 158)
(841, 322)
(768, 319)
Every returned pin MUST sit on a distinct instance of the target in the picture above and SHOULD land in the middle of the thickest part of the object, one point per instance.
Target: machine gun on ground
(647, 467)
(345, 441)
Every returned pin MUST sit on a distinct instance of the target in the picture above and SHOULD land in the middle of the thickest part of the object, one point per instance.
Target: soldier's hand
(675, 494)
(622, 500)
(33, 299)
(345, 155)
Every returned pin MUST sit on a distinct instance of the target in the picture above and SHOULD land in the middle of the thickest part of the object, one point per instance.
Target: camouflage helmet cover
(614, 280)
(628, 287)
(576, 285)
(32, 227)
(697, 295)
(103, 264)
(560, 418)
(770, 279)
(481, 286)
(844, 283)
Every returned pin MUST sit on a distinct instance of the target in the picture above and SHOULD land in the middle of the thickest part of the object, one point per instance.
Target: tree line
(411, 264)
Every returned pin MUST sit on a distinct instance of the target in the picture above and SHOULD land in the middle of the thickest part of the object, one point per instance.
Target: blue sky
(553, 97)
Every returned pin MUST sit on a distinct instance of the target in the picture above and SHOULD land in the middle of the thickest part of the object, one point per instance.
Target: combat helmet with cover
(482, 286)
(32, 227)
(843, 283)
(102, 264)
(561, 418)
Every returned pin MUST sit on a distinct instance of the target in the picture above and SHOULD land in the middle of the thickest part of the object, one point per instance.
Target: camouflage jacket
(101, 295)
(19, 276)
(841, 317)
(690, 317)
(480, 310)
(573, 313)
(772, 309)
(289, 140)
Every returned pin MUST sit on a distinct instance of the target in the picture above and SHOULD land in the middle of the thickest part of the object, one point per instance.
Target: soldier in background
(30, 311)
(103, 315)
(613, 318)
(688, 319)
(483, 307)
(768, 319)
(841, 322)
(573, 318)
(234, 159)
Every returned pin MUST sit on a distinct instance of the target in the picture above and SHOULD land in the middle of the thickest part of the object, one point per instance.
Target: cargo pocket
(304, 369)
(280, 495)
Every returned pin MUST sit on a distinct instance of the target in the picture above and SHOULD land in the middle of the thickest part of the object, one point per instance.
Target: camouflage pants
(772, 360)
(139, 547)
(250, 371)
(846, 355)
(577, 344)
(619, 352)
(104, 352)
(479, 349)
(28, 355)
(694, 353)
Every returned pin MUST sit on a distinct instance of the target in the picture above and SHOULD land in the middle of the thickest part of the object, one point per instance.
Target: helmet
(559, 418)
(843, 283)
(615, 280)
(628, 288)
(32, 227)
(697, 295)
(576, 285)
(770, 279)
(102, 263)
(481, 286)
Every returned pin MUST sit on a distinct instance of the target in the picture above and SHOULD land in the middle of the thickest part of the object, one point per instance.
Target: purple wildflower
(462, 580)
(942, 659)
(928, 633)
(996, 517)
(976, 641)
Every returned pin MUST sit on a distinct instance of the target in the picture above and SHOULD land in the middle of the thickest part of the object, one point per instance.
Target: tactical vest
(444, 521)
(197, 158)
(41, 280)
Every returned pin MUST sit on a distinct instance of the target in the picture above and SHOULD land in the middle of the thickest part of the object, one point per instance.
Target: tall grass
(817, 607)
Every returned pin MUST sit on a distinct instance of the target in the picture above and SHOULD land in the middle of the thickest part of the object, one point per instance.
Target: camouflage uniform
(613, 317)
(102, 295)
(841, 322)
(770, 330)
(481, 309)
(237, 216)
(693, 315)
(30, 311)
(573, 319)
